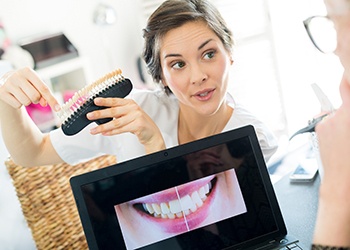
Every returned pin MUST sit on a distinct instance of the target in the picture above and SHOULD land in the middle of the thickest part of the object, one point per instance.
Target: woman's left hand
(127, 116)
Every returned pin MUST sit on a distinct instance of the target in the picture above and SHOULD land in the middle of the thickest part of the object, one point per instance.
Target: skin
(25, 142)
(333, 219)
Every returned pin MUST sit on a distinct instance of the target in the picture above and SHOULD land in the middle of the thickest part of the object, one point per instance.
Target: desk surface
(298, 202)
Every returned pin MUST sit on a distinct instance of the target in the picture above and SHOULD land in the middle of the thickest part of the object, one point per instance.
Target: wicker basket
(47, 202)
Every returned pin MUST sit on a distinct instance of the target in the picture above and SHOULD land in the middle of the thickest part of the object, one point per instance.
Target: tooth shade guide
(73, 112)
(89, 91)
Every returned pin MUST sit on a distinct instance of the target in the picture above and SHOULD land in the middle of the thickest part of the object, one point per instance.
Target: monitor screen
(211, 198)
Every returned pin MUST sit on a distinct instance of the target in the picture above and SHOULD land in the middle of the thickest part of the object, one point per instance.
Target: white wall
(300, 64)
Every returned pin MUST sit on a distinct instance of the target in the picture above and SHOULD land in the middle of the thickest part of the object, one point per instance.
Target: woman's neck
(193, 126)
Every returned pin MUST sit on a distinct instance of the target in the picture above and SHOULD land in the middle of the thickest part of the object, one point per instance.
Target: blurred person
(332, 230)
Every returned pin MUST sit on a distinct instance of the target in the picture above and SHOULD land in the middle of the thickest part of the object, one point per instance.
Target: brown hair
(173, 14)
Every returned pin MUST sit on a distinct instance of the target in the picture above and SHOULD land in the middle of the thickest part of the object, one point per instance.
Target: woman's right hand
(23, 87)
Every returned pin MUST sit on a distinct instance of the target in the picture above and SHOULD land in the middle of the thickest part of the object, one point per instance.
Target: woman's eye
(209, 55)
(178, 65)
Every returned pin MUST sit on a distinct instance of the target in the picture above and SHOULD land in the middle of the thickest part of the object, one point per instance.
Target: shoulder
(151, 96)
(242, 117)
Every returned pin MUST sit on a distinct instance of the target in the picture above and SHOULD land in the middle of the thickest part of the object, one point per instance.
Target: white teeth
(203, 94)
(171, 216)
(201, 193)
(156, 208)
(164, 207)
(197, 200)
(176, 208)
(149, 208)
(186, 202)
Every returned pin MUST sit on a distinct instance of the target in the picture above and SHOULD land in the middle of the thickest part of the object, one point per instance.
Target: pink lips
(204, 95)
(187, 222)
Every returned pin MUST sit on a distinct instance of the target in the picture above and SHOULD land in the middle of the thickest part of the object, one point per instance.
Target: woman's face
(195, 66)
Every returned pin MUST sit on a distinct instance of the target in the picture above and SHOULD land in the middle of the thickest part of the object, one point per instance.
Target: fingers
(116, 126)
(118, 108)
(123, 111)
(23, 87)
(127, 117)
(46, 97)
(11, 91)
(10, 100)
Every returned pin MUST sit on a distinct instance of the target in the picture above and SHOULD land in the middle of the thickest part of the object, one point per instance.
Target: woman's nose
(198, 75)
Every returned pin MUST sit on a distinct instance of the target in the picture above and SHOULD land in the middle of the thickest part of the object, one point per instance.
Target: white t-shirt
(164, 111)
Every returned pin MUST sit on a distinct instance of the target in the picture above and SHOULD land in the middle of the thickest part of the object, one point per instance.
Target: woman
(333, 221)
(188, 50)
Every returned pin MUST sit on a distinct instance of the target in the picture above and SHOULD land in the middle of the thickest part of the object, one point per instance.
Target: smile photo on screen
(180, 209)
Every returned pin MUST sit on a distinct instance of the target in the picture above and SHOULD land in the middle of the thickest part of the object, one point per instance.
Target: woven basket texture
(47, 201)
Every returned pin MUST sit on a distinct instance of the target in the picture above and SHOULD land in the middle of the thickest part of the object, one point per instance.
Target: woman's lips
(183, 213)
(204, 95)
